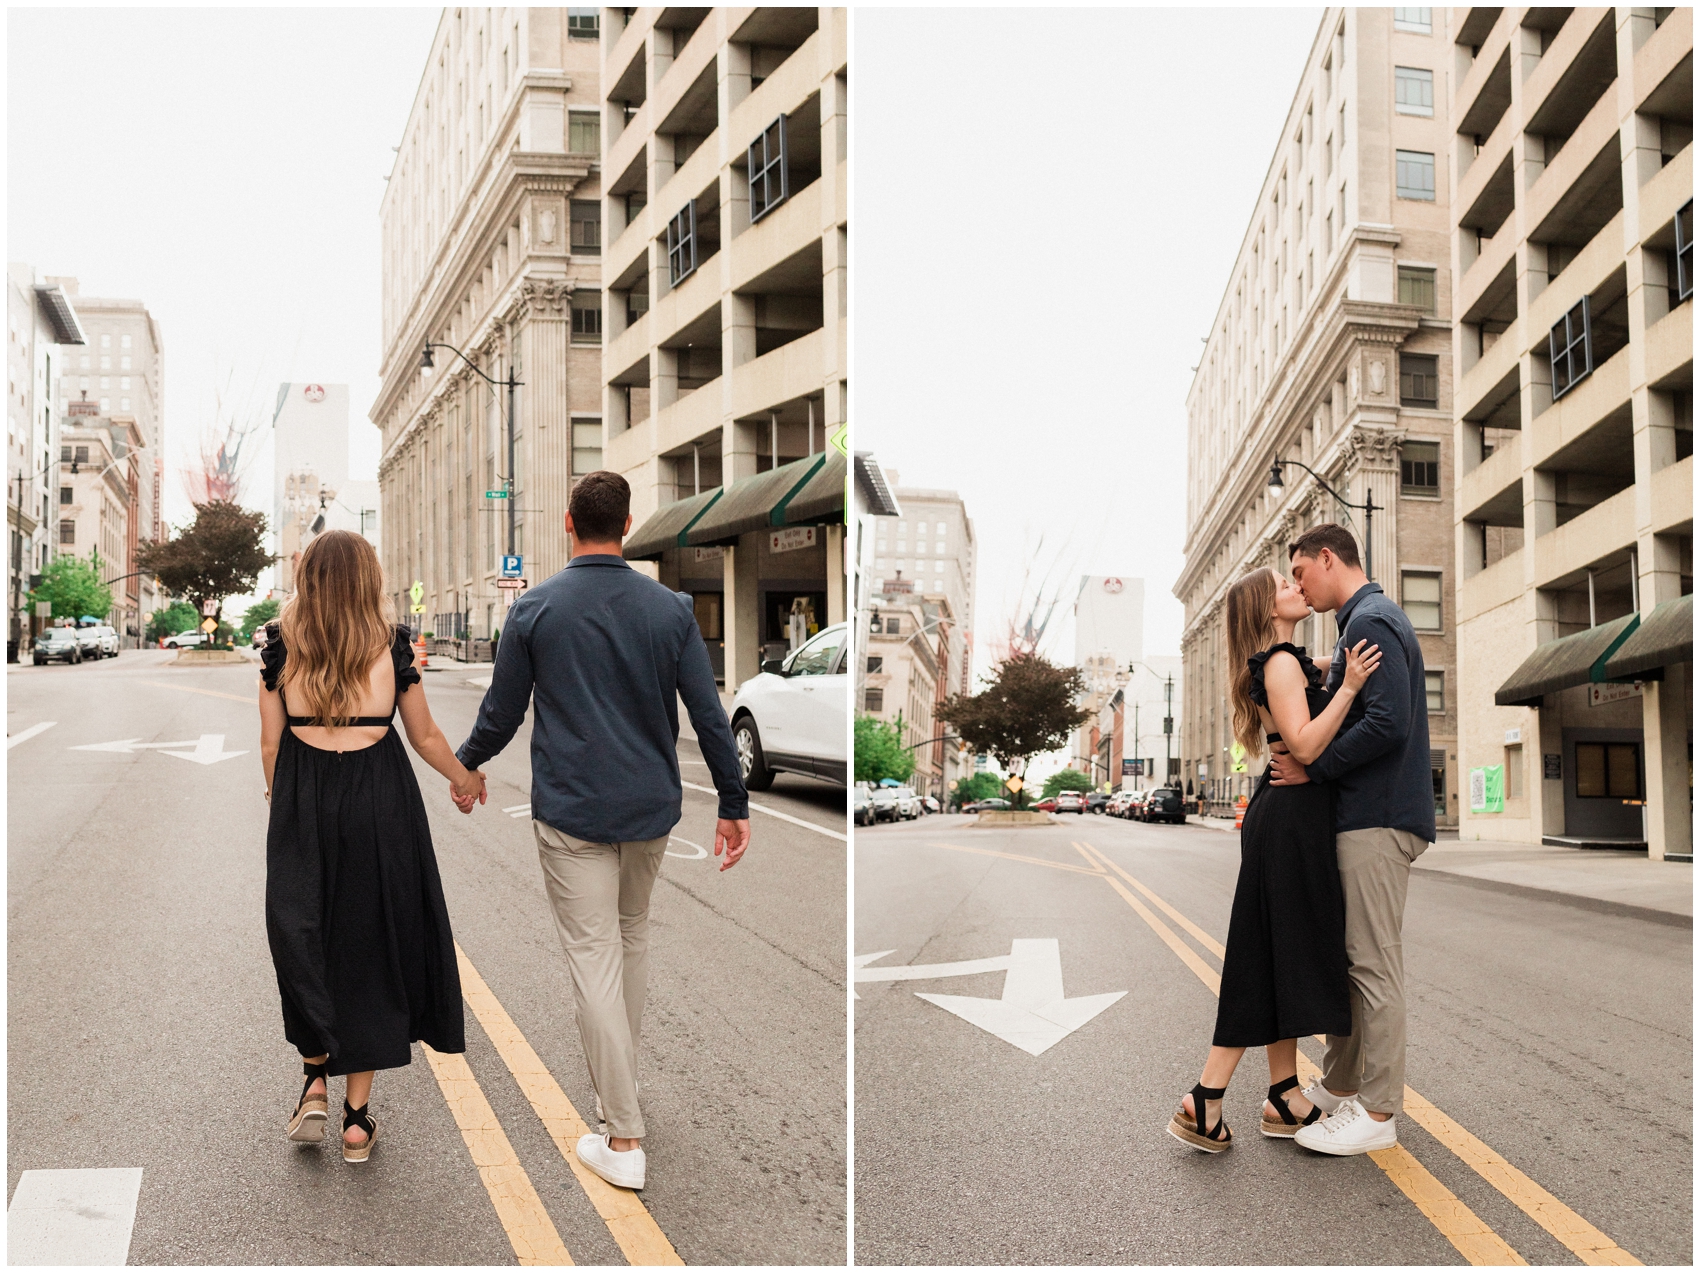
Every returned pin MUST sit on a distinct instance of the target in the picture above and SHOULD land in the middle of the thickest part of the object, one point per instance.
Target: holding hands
(469, 791)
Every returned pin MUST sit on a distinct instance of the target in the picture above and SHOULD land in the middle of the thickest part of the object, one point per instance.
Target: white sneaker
(1323, 1099)
(1349, 1130)
(624, 1169)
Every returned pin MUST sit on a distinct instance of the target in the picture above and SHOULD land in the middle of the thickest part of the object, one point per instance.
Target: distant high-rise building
(311, 489)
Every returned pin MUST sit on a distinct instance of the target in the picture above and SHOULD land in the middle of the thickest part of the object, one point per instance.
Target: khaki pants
(1375, 870)
(600, 896)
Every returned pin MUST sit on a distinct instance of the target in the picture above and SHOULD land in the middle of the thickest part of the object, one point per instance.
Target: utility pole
(1168, 725)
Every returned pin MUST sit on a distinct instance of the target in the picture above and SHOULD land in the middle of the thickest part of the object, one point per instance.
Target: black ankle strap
(352, 1117)
(313, 1071)
(1278, 1101)
(1200, 1094)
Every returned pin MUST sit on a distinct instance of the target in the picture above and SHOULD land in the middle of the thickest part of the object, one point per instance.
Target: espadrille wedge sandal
(352, 1117)
(308, 1121)
(1189, 1128)
(1286, 1124)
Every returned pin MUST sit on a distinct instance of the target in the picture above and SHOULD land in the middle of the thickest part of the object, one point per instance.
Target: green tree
(1066, 780)
(257, 616)
(220, 554)
(977, 786)
(1031, 706)
(880, 752)
(177, 617)
(73, 585)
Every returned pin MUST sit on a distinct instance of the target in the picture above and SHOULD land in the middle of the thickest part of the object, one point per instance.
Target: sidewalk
(1623, 883)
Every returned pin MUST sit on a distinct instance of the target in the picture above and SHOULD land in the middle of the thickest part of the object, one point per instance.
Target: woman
(1285, 970)
(354, 907)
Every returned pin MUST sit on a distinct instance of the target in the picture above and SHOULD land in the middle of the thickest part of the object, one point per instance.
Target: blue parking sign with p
(513, 566)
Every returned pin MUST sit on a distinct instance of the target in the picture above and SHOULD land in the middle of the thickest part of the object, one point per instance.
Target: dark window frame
(1414, 474)
(1413, 378)
(67, 532)
(1606, 771)
(1685, 251)
(1563, 341)
(1433, 191)
(682, 244)
(575, 208)
(587, 321)
(876, 664)
(584, 24)
(873, 699)
(764, 159)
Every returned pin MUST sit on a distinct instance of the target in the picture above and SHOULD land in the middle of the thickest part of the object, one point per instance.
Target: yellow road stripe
(640, 1239)
(1586, 1242)
(1019, 857)
(1460, 1226)
(250, 699)
(1203, 938)
(517, 1205)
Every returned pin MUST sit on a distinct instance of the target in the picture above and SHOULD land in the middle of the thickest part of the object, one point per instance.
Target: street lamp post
(1278, 490)
(427, 364)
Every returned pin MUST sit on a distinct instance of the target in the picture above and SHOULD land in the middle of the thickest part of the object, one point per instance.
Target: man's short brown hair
(599, 505)
(1335, 538)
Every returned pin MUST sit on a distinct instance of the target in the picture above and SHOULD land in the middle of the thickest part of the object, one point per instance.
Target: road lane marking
(530, 1230)
(24, 735)
(1019, 857)
(1453, 1219)
(640, 1239)
(249, 699)
(775, 813)
(208, 749)
(689, 857)
(1203, 938)
(80, 1216)
(924, 972)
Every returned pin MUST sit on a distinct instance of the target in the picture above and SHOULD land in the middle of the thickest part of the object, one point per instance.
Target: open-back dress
(355, 915)
(1285, 974)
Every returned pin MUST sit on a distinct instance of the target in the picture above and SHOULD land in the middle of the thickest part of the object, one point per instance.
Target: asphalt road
(1561, 1038)
(144, 1028)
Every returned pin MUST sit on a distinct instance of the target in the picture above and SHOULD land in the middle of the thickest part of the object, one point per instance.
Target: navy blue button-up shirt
(605, 654)
(1380, 757)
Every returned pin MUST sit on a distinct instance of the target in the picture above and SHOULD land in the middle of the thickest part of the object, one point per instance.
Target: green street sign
(495, 494)
(840, 439)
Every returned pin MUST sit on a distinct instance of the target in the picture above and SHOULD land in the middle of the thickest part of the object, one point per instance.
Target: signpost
(510, 583)
(209, 626)
(415, 594)
(513, 566)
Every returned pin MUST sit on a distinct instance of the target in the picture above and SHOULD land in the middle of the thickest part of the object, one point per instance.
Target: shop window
(706, 606)
(1608, 771)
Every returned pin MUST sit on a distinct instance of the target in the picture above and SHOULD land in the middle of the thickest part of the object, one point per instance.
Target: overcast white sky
(224, 166)
(1047, 206)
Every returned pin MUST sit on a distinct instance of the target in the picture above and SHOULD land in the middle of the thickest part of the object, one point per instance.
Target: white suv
(794, 716)
(186, 640)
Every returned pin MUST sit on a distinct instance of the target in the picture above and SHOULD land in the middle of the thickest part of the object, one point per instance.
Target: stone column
(835, 594)
(1375, 453)
(740, 614)
(1665, 724)
(544, 464)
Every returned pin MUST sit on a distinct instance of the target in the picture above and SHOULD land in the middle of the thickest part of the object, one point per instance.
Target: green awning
(1666, 636)
(666, 527)
(1566, 662)
(822, 496)
(755, 503)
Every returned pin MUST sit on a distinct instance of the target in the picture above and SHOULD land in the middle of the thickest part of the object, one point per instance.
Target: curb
(1579, 901)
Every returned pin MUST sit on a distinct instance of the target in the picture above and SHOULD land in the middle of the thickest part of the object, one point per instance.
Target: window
(1415, 174)
(873, 700)
(1434, 683)
(1416, 287)
(123, 404)
(105, 406)
(106, 382)
(1514, 772)
(124, 363)
(64, 494)
(584, 24)
(894, 627)
(584, 132)
(1571, 348)
(83, 364)
(1608, 771)
(124, 342)
(1413, 91)
(587, 446)
(105, 362)
(636, 202)
(1419, 380)
(1419, 594)
(1419, 468)
(819, 656)
(106, 342)
(67, 532)
(1685, 251)
(64, 455)
(1419, 21)
(876, 663)
(587, 227)
(682, 244)
(123, 382)
(768, 180)
(587, 317)
(82, 455)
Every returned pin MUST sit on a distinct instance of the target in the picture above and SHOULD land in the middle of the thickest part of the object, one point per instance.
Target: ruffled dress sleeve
(272, 655)
(1257, 662)
(401, 652)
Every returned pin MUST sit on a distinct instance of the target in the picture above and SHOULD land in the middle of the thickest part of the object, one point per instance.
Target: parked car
(863, 806)
(58, 643)
(985, 806)
(185, 640)
(1047, 805)
(1164, 804)
(884, 802)
(1070, 802)
(1096, 802)
(1116, 806)
(99, 641)
(908, 803)
(929, 805)
(794, 715)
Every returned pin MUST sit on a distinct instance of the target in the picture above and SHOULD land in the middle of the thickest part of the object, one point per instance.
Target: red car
(1047, 805)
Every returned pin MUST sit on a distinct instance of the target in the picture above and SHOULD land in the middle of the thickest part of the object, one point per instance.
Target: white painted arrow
(1032, 1015)
(208, 749)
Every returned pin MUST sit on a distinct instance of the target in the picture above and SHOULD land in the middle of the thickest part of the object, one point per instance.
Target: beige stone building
(724, 370)
(1332, 351)
(907, 646)
(1572, 229)
(492, 242)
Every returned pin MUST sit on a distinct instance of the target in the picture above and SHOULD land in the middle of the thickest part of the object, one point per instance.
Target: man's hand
(1288, 772)
(734, 837)
(469, 793)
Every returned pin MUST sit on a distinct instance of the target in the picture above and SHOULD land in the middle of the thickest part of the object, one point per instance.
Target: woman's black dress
(359, 932)
(1285, 970)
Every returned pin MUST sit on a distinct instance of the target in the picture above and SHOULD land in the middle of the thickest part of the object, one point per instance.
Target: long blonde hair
(335, 626)
(1251, 629)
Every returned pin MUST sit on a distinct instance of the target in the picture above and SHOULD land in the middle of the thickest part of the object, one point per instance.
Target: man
(1384, 819)
(606, 653)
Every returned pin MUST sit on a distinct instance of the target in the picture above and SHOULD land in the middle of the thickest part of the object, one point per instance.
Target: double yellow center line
(1474, 1239)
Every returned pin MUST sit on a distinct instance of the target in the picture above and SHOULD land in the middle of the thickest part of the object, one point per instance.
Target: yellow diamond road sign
(416, 592)
(209, 625)
(1014, 784)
